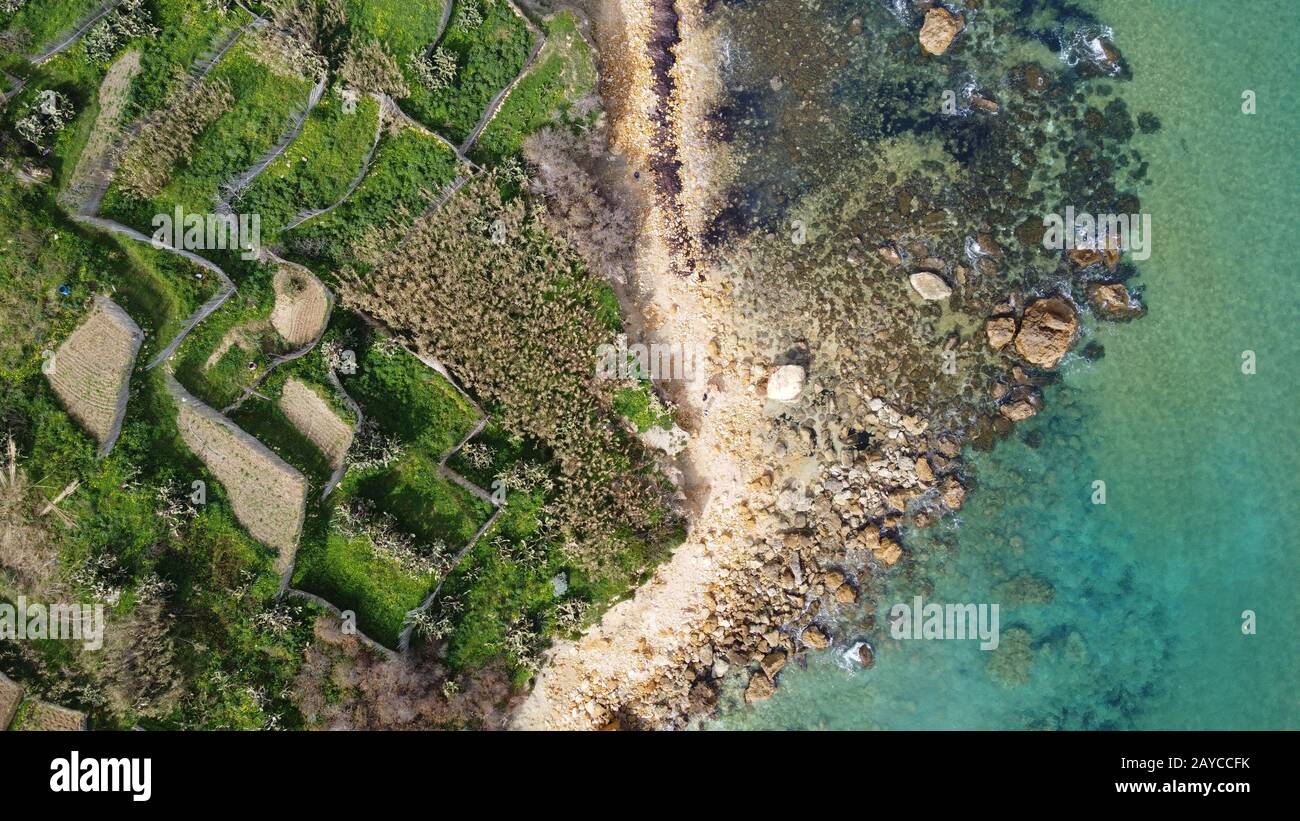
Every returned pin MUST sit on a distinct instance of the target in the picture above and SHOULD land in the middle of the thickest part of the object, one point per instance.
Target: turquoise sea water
(1200, 462)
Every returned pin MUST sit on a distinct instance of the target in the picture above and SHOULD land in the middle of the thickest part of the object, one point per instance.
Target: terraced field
(488, 57)
(91, 371)
(563, 74)
(268, 496)
(410, 171)
(352, 477)
(302, 305)
(315, 419)
(264, 106)
(317, 168)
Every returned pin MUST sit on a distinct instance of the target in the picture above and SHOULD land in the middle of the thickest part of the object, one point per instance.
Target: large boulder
(786, 383)
(815, 637)
(940, 27)
(1000, 331)
(1047, 331)
(760, 688)
(930, 285)
(1113, 301)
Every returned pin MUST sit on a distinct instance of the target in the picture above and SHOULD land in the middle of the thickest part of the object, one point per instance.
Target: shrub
(368, 67)
(168, 136)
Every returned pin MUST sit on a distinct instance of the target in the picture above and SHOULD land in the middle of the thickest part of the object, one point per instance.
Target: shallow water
(1200, 461)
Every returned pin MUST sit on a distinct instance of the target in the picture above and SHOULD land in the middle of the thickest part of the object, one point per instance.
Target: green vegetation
(38, 24)
(407, 174)
(209, 643)
(316, 169)
(262, 112)
(187, 33)
(488, 56)
(563, 74)
(159, 289)
(402, 26)
(213, 361)
(352, 575)
(642, 408)
(390, 529)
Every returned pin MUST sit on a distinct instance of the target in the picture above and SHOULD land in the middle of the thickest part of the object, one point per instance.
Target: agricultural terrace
(267, 496)
(517, 320)
(307, 411)
(553, 92)
(302, 305)
(266, 415)
(36, 25)
(91, 370)
(318, 168)
(231, 349)
(205, 136)
(489, 43)
(396, 521)
(409, 173)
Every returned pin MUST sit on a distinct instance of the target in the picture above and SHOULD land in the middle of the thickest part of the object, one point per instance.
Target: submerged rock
(1047, 331)
(786, 383)
(930, 285)
(940, 27)
(760, 688)
(1009, 664)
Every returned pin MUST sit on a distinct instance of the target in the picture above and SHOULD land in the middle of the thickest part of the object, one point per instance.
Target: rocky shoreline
(817, 434)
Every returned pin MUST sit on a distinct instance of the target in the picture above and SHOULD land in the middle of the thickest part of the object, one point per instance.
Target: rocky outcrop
(760, 688)
(786, 383)
(816, 638)
(940, 27)
(1021, 403)
(1047, 331)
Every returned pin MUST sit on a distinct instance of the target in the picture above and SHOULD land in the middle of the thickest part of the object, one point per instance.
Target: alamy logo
(945, 621)
(78, 622)
(1099, 232)
(209, 232)
(77, 774)
(658, 361)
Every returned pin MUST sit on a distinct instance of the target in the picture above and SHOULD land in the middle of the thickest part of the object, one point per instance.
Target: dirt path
(98, 160)
(81, 28)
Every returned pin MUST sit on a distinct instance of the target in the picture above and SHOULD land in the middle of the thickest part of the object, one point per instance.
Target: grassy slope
(488, 57)
(563, 73)
(317, 167)
(408, 171)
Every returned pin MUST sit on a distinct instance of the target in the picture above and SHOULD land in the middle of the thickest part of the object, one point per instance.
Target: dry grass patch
(311, 415)
(53, 718)
(91, 372)
(267, 495)
(11, 695)
(302, 305)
